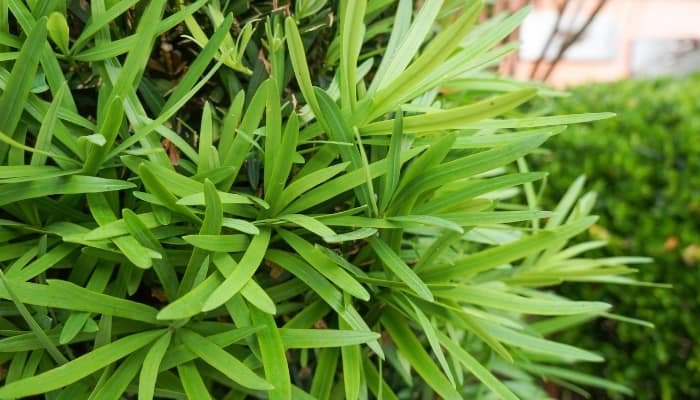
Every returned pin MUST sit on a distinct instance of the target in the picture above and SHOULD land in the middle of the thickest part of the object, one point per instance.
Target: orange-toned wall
(640, 19)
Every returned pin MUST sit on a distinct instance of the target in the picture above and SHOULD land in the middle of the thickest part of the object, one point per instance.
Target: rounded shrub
(645, 166)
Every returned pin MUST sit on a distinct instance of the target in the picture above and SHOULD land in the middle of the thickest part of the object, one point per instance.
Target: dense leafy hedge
(645, 166)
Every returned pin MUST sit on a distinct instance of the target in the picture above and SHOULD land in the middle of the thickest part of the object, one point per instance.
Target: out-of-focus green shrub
(645, 165)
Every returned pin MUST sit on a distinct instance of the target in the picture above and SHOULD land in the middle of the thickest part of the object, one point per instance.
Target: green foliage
(645, 166)
(234, 218)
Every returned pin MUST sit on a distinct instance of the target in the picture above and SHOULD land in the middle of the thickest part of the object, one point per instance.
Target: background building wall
(656, 31)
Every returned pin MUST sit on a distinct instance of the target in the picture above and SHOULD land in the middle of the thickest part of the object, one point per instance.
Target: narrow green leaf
(405, 42)
(207, 155)
(283, 163)
(500, 255)
(476, 368)
(329, 293)
(455, 118)
(297, 56)
(537, 345)
(118, 380)
(240, 225)
(437, 249)
(231, 121)
(356, 221)
(219, 243)
(492, 217)
(391, 179)
(192, 302)
(244, 271)
(19, 84)
(30, 172)
(376, 382)
(42, 263)
(179, 354)
(162, 267)
(536, 122)
(566, 203)
(32, 364)
(48, 125)
(75, 184)
(358, 234)
(273, 355)
(156, 187)
(33, 325)
(213, 219)
(50, 173)
(324, 378)
(95, 24)
(338, 130)
(137, 254)
(547, 371)
(502, 300)
(234, 152)
(307, 317)
(66, 295)
(222, 361)
(469, 319)
(128, 246)
(58, 30)
(258, 297)
(352, 30)
(197, 199)
(192, 382)
(454, 194)
(138, 56)
(106, 50)
(550, 326)
(324, 265)
(427, 220)
(413, 351)
(79, 368)
(435, 53)
(307, 182)
(478, 141)
(398, 267)
(315, 338)
(120, 228)
(372, 209)
(351, 358)
(16, 250)
(72, 327)
(629, 320)
(195, 69)
(273, 137)
(309, 223)
(149, 371)
(344, 183)
(18, 148)
(431, 335)
(474, 164)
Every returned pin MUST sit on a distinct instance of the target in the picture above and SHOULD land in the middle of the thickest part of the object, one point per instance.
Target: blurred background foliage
(645, 166)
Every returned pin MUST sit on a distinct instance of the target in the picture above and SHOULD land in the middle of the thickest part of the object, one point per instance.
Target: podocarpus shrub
(645, 166)
(197, 220)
